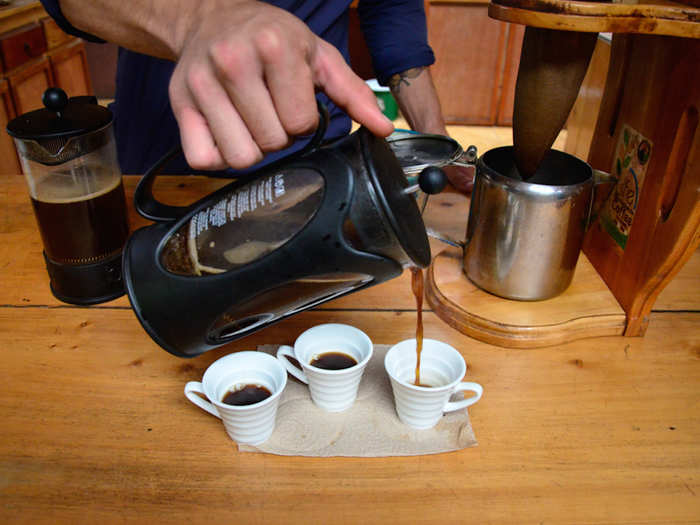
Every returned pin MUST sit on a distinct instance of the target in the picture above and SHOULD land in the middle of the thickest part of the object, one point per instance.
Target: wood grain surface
(657, 18)
(95, 427)
(586, 308)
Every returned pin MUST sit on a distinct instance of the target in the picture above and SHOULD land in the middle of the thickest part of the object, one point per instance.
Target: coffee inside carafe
(84, 228)
(245, 224)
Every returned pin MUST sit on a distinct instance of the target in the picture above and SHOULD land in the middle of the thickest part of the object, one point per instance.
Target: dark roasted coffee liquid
(417, 287)
(83, 231)
(248, 395)
(334, 361)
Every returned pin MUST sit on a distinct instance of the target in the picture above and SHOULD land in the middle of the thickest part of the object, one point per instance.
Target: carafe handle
(152, 209)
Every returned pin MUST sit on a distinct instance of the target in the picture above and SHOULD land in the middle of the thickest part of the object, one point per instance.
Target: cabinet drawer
(22, 45)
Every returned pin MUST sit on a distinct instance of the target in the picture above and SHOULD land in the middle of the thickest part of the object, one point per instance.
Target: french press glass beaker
(69, 160)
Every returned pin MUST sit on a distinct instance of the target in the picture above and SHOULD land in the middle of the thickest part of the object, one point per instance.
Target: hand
(245, 82)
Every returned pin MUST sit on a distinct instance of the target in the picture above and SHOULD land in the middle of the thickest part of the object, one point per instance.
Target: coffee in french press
(69, 160)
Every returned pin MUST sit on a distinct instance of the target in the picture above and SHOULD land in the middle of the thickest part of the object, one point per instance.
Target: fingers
(197, 141)
(290, 82)
(348, 90)
(241, 72)
(208, 121)
(240, 94)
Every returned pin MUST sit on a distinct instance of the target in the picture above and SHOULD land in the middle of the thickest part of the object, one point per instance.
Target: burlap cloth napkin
(370, 428)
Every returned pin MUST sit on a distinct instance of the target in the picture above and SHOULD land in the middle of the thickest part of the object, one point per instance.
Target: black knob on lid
(432, 180)
(55, 99)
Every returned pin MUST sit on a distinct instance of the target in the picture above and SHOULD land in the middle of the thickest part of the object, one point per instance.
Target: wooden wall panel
(469, 58)
(509, 74)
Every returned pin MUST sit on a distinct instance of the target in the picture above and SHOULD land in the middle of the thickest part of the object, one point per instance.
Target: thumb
(335, 78)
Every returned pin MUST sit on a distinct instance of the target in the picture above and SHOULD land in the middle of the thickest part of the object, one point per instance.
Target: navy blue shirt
(144, 124)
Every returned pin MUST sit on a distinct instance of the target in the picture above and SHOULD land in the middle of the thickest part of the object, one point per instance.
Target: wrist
(435, 127)
(183, 21)
(190, 14)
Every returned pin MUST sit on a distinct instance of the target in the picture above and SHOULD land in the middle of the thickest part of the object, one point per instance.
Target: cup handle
(191, 390)
(285, 351)
(451, 406)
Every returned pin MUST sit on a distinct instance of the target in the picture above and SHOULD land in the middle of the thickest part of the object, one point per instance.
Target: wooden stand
(586, 309)
(646, 229)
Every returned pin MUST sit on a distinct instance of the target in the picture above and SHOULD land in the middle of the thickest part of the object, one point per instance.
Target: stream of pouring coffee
(417, 287)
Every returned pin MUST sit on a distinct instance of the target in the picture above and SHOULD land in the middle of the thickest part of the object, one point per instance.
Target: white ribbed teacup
(442, 367)
(249, 424)
(331, 390)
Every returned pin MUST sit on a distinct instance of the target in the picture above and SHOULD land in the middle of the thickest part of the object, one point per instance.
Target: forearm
(415, 94)
(153, 27)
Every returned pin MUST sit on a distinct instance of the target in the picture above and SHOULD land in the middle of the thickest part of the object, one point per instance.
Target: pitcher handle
(603, 177)
(152, 209)
(599, 178)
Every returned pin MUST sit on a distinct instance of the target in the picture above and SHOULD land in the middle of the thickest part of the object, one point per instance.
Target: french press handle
(152, 209)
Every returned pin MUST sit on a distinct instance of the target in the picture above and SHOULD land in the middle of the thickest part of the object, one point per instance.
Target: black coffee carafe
(332, 220)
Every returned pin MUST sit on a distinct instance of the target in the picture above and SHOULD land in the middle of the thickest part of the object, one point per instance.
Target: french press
(69, 160)
(332, 220)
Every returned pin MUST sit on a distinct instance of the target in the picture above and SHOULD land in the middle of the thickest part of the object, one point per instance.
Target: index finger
(347, 90)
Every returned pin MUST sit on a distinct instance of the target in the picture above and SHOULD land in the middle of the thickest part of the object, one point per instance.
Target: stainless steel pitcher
(524, 238)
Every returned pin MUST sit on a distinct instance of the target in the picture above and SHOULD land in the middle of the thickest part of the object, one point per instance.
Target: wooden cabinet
(9, 163)
(22, 45)
(34, 55)
(55, 36)
(477, 61)
(70, 70)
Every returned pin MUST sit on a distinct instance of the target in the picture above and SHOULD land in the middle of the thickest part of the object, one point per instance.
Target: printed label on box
(629, 166)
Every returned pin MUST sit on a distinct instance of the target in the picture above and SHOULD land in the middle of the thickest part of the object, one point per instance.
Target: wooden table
(95, 427)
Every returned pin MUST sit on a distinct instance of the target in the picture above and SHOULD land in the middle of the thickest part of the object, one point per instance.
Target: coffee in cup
(243, 390)
(332, 358)
(442, 369)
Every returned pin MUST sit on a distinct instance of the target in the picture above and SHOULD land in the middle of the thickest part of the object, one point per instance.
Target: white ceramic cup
(442, 367)
(331, 390)
(249, 424)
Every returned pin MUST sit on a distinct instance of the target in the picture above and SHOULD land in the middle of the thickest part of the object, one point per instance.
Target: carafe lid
(399, 206)
(417, 151)
(65, 129)
(62, 117)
